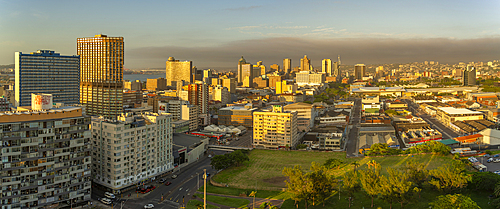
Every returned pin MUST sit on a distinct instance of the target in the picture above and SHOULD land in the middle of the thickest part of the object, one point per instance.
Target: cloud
(242, 8)
(352, 50)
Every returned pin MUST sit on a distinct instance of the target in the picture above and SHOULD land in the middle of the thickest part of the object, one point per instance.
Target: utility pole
(204, 188)
(198, 181)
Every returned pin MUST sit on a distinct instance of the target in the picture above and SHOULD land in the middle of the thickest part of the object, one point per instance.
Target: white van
(106, 201)
(109, 195)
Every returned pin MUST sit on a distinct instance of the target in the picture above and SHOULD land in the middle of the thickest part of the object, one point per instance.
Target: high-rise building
(379, 72)
(359, 71)
(190, 113)
(469, 76)
(305, 64)
(327, 67)
(45, 157)
(275, 67)
(219, 93)
(245, 70)
(47, 72)
(260, 68)
(274, 129)
(179, 71)
(336, 70)
(198, 95)
(131, 149)
(101, 75)
(133, 85)
(230, 84)
(287, 65)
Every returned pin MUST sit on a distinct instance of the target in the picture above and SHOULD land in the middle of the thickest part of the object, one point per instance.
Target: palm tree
(355, 164)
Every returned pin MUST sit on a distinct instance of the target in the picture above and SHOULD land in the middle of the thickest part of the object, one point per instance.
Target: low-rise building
(291, 97)
(188, 149)
(306, 114)
(448, 115)
(180, 126)
(237, 115)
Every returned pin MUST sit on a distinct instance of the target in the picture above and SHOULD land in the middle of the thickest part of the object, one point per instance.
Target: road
(435, 123)
(184, 186)
(352, 140)
(244, 140)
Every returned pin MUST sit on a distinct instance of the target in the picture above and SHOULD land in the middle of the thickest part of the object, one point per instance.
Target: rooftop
(455, 111)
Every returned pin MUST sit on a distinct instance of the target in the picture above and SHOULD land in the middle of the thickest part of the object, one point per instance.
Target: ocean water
(142, 77)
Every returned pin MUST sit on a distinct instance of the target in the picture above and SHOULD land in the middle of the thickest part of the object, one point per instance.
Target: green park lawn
(265, 166)
(192, 205)
(231, 202)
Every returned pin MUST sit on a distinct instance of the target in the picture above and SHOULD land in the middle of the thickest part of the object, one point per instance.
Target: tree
(454, 201)
(296, 183)
(449, 177)
(370, 181)
(400, 184)
(238, 157)
(416, 171)
(321, 186)
(485, 181)
(333, 163)
(220, 162)
(355, 164)
(351, 184)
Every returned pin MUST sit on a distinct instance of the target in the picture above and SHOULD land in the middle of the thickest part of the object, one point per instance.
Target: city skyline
(218, 34)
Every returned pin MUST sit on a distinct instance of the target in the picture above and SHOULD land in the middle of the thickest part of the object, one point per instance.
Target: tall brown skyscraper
(101, 74)
(179, 71)
(305, 64)
(287, 65)
(359, 71)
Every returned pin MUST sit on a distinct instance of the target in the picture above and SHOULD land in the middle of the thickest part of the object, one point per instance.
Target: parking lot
(491, 166)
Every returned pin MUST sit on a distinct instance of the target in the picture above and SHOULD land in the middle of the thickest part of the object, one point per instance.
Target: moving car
(174, 176)
(162, 180)
(149, 206)
(168, 183)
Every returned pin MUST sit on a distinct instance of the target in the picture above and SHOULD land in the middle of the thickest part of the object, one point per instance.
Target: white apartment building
(274, 129)
(131, 149)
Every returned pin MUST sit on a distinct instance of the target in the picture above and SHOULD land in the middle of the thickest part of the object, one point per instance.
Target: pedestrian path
(258, 201)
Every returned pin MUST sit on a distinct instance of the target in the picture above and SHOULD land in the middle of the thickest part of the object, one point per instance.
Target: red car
(168, 183)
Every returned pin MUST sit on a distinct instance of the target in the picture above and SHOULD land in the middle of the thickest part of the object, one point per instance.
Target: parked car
(168, 183)
(489, 160)
(497, 160)
(106, 201)
(109, 195)
(149, 206)
(162, 181)
(497, 155)
(208, 174)
(174, 176)
(486, 155)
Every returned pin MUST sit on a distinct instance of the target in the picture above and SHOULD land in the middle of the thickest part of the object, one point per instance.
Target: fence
(245, 187)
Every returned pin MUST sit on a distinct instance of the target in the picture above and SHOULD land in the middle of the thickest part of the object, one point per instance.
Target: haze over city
(217, 34)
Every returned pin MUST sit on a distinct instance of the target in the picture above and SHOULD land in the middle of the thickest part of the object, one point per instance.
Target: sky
(215, 34)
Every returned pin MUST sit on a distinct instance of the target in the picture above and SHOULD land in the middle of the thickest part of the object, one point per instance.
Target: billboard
(162, 107)
(41, 101)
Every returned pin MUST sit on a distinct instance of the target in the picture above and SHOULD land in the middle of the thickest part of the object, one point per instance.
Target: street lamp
(204, 188)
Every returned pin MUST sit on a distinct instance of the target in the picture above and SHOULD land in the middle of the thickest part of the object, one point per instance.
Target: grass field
(231, 202)
(192, 205)
(265, 166)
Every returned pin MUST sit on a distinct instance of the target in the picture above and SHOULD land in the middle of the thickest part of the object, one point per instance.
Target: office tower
(274, 79)
(245, 70)
(45, 157)
(237, 115)
(469, 76)
(260, 68)
(157, 84)
(131, 149)
(272, 133)
(190, 113)
(287, 65)
(47, 72)
(133, 85)
(327, 67)
(101, 75)
(305, 64)
(230, 84)
(336, 70)
(198, 95)
(177, 71)
(359, 71)
(219, 93)
(275, 68)
(379, 72)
